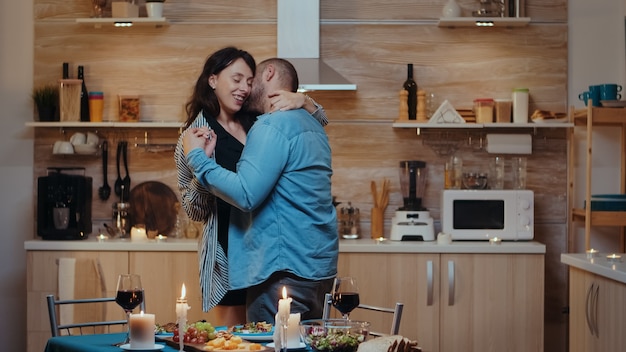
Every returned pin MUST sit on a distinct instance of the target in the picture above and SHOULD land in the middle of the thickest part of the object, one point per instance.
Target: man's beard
(256, 99)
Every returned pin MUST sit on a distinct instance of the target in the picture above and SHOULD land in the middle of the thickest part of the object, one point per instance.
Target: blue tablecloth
(91, 343)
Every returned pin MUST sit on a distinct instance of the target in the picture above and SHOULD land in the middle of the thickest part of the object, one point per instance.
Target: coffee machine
(412, 222)
(64, 204)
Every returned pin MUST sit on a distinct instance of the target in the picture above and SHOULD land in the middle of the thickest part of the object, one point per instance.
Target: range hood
(298, 41)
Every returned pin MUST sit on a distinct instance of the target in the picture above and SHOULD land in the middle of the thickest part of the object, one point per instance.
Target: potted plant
(46, 99)
(154, 8)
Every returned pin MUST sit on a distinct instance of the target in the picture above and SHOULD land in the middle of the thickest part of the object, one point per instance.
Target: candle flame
(183, 292)
(284, 292)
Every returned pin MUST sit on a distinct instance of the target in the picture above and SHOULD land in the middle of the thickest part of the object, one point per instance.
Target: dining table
(93, 343)
(106, 343)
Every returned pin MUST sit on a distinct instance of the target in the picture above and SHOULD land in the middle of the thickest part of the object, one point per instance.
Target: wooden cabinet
(589, 118)
(42, 280)
(162, 274)
(597, 313)
(454, 302)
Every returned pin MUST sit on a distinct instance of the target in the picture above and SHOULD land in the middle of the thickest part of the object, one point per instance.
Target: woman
(217, 101)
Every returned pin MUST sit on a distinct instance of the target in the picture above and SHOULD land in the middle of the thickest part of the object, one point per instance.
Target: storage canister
(483, 108)
(520, 105)
(503, 110)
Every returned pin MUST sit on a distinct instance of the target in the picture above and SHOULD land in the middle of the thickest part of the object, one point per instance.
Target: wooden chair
(92, 327)
(396, 311)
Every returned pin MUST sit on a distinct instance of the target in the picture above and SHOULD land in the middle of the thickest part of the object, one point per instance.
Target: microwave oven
(483, 214)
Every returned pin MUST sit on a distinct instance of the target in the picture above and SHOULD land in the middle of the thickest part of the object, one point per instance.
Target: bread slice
(392, 343)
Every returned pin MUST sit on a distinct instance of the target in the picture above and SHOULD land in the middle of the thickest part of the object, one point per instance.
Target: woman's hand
(283, 100)
(199, 138)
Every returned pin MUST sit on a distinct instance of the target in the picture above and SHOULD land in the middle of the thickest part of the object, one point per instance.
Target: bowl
(474, 180)
(336, 335)
(86, 148)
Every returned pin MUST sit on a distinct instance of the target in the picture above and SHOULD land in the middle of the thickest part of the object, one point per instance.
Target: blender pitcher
(412, 184)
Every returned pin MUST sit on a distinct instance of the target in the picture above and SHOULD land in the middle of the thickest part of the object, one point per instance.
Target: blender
(412, 222)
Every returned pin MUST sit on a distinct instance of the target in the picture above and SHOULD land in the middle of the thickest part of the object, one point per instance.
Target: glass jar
(349, 227)
(121, 219)
(488, 8)
(483, 108)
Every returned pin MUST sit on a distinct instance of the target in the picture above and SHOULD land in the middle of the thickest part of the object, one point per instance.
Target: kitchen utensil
(126, 181)
(105, 191)
(118, 183)
(412, 222)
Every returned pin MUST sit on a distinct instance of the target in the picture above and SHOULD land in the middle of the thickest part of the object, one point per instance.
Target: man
(287, 234)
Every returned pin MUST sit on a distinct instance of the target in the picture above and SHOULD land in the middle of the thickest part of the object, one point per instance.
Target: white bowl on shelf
(86, 149)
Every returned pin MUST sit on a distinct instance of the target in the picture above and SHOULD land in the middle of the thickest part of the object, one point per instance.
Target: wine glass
(129, 296)
(345, 295)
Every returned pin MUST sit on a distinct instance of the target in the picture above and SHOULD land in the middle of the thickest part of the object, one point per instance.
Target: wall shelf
(124, 21)
(480, 125)
(109, 124)
(484, 21)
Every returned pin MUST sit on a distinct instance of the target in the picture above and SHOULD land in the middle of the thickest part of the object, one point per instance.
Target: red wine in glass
(129, 296)
(129, 299)
(345, 302)
(345, 295)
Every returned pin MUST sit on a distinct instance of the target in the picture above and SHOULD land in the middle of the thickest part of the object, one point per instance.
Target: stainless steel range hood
(298, 41)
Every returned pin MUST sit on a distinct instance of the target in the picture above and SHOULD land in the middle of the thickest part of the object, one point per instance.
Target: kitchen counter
(345, 246)
(598, 265)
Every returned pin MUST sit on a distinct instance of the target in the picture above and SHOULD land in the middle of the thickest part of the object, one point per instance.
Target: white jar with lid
(520, 105)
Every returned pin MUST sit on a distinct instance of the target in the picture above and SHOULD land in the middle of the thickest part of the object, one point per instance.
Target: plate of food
(254, 331)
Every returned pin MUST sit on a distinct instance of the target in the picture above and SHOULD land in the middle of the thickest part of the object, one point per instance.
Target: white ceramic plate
(156, 347)
(301, 347)
(613, 103)
(260, 337)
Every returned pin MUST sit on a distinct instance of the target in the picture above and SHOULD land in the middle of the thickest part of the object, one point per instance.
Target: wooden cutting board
(153, 204)
(198, 347)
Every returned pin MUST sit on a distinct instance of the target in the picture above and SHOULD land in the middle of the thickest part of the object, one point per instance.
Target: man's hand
(201, 137)
(283, 100)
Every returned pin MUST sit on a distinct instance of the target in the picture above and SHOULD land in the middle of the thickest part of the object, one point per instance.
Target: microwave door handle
(451, 283)
(429, 278)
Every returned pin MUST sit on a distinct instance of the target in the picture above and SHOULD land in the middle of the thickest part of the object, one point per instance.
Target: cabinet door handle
(429, 284)
(594, 317)
(450, 283)
(588, 308)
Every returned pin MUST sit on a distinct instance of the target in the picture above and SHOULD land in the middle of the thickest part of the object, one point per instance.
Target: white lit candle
(591, 253)
(614, 258)
(181, 315)
(284, 308)
(141, 328)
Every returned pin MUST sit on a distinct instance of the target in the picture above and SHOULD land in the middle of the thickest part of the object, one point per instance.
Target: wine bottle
(84, 97)
(66, 70)
(411, 87)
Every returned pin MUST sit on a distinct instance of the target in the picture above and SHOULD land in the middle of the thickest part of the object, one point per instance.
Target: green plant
(47, 95)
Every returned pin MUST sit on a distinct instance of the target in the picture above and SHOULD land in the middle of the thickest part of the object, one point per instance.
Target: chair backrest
(395, 320)
(92, 327)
